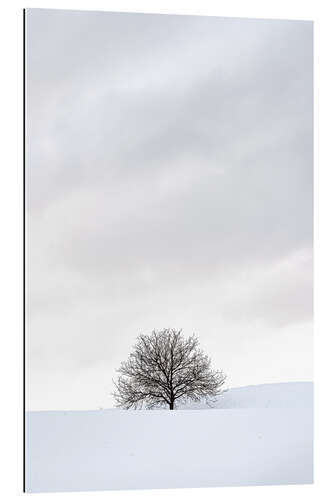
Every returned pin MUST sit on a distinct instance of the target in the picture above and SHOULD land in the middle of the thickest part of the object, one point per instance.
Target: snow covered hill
(286, 395)
(256, 435)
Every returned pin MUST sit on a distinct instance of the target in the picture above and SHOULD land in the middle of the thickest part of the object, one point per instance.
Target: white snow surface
(285, 395)
(256, 435)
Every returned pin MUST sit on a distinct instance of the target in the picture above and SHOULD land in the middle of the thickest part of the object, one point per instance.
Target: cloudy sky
(168, 183)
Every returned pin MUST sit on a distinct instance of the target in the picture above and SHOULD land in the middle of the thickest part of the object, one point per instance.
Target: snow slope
(285, 395)
(270, 443)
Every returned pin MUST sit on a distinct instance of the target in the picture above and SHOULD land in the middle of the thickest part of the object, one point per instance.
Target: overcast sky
(168, 184)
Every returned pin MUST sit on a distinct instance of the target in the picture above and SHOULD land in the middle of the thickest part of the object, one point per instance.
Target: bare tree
(163, 368)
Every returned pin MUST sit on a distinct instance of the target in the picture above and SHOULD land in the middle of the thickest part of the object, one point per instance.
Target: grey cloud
(166, 156)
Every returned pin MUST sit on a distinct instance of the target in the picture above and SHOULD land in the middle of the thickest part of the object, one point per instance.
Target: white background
(11, 184)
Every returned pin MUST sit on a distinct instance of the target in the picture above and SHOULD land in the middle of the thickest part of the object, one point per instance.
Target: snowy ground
(287, 395)
(256, 435)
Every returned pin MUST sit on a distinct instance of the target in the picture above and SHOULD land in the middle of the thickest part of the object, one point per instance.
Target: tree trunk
(171, 405)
